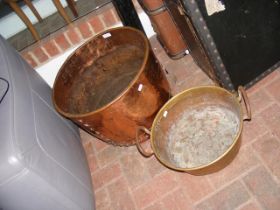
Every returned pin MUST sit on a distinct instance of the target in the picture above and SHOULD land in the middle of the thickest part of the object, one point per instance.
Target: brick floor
(123, 179)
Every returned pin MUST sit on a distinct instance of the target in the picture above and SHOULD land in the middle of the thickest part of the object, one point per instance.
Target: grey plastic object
(42, 162)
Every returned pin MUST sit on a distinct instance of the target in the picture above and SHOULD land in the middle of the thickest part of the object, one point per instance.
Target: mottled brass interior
(196, 97)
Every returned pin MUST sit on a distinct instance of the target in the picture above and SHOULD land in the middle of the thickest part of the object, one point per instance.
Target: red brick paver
(73, 36)
(102, 200)
(121, 197)
(271, 117)
(109, 18)
(268, 147)
(135, 170)
(253, 129)
(62, 42)
(266, 190)
(88, 148)
(176, 200)
(230, 197)
(40, 54)
(155, 189)
(51, 48)
(273, 88)
(259, 100)
(108, 155)
(29, 59)
(92, 162)
(104, 175)
(243, 162)
(96, 24)
(195, 187)
(250, 206)
(85, 30)
(154, 167)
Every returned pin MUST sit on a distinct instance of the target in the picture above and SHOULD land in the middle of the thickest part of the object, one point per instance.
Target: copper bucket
(198, 130)
(111, 85)
(165, 27)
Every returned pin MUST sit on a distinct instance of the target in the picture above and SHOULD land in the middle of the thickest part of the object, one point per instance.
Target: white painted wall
(11, 24)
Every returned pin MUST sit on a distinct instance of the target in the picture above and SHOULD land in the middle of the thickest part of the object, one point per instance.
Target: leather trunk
(236, 44)
(165, 27)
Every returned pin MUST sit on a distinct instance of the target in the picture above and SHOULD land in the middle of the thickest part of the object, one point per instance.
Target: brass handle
(242, 95)
(138, 145)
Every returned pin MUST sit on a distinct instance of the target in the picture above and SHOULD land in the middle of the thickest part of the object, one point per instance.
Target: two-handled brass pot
(172, 111)
(92, 75)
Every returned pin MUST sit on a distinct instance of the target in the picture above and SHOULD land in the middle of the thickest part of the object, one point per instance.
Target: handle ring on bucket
(138, 145)
(243, 96)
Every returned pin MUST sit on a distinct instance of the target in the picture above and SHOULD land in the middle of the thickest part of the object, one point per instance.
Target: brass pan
(204, 96)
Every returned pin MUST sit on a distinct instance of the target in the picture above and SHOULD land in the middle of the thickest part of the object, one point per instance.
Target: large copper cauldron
(111, 85)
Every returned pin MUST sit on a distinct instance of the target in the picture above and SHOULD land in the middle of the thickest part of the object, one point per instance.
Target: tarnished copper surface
(163, 24)
(111, 85)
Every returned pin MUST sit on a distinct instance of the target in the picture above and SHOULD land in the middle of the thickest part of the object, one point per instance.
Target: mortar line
(45, 51)
(60, 51)
(275, 100)
(158, 198)
(266, 83)
(210, 182)
(258, 112)
(265, 166)
(108, 182)
(34, 57)
(122, 169)
(225, 185)
(246, 203)
(257, 138)
(251, 194)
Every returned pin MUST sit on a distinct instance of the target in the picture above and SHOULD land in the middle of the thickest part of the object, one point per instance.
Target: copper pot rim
(133, 81)
(173, 101)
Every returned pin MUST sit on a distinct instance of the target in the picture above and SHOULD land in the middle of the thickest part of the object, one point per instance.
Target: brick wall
(71, 36)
